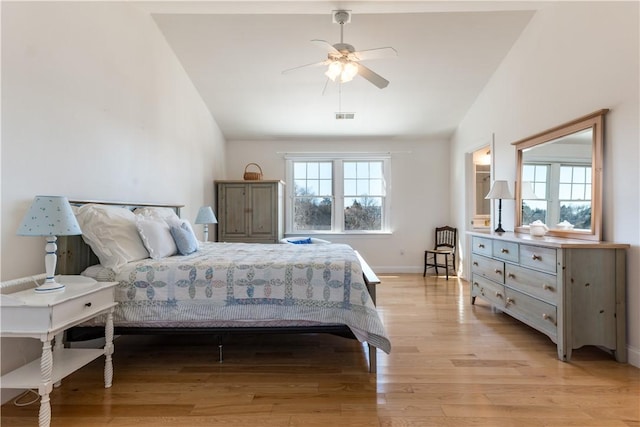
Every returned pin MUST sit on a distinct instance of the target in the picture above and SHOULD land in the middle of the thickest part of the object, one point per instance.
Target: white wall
(571, 60)
(94, 106)
(420, 192)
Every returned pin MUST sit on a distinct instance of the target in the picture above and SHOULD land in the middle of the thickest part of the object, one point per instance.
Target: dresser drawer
(489, 290)
(538, 257)
(481, 245)
(534, 312)
(490, 268)
(81, 307)
(507, 251)
(532, 282)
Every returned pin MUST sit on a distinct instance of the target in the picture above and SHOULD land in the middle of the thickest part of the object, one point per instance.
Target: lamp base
(51, 286)
(499, 229)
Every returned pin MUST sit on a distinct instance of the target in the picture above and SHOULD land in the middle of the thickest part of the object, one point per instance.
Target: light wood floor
(452, 364)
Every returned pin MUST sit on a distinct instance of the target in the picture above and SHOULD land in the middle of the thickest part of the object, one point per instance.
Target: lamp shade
(499, 190)
(527, 191)
(206, 216)
(49, 216)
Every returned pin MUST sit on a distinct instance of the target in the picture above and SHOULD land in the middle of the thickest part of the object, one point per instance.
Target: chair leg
(425, 265)
(435, 263)
(454, 264)
(446, 265)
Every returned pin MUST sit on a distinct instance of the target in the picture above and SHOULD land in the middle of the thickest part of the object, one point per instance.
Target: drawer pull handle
(505, 251)
(545, 316)
(475, 284)
(510, 301)
(481, 246)
(511, 276)
(536, 257)
(498, 271)
(475, 263)
(546, 287)
(498, 294)
(88, 304)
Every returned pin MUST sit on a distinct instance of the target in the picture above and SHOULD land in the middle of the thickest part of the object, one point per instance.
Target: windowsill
(334, 233)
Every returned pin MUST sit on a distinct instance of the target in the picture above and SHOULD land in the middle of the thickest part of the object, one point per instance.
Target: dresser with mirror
(567, 284)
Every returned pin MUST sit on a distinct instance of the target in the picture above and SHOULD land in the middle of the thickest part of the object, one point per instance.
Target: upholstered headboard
(74, 255)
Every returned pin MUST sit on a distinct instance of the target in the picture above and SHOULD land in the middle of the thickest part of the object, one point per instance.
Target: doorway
(481, 174)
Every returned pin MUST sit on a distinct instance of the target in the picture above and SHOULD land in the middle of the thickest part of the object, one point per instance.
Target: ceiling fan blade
(374, 78)
(377, 53)
(313, 64)
(326, 46)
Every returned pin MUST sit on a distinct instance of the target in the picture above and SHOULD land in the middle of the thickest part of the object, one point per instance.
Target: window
(338, 195)
(536, 208)
(569, 200)
(574, 195)
(313, 198)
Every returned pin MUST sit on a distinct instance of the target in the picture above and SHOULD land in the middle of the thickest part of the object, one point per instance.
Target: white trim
(336, 156)
(633, 354)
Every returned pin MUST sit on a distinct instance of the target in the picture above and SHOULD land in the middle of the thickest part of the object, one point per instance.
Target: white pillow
(156, 236)
(157, 212)
(112, 234)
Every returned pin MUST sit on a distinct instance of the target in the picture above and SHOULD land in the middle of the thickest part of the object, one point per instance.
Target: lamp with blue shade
(49, 216)
(206, 217)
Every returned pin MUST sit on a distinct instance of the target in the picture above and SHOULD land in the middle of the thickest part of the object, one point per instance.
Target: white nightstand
(45, 316)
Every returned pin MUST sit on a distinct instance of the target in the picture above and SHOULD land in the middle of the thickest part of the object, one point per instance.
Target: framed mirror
(559, 179)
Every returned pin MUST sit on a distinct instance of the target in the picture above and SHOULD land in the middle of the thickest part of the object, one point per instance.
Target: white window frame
(553, 197)
(337, 212)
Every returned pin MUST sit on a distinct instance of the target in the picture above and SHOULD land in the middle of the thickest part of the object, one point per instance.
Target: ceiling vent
(345, 116)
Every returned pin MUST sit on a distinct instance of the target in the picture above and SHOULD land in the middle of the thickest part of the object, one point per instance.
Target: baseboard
(400, 270)
(387, 269)
(633, 356)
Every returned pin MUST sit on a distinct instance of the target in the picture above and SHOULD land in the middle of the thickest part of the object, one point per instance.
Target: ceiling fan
(343, 60)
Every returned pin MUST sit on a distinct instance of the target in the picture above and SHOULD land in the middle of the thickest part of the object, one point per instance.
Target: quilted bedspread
(241, 282)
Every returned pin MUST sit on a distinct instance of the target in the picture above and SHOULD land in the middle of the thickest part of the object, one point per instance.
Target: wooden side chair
(445, 246)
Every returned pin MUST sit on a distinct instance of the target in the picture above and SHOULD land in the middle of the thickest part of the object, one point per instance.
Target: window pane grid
(537, 175)
(535, 209)
(323, 189)
(575, 183)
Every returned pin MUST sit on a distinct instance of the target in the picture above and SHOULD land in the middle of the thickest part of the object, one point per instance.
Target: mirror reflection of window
(575, 195)
(534, 193)
(569, 199)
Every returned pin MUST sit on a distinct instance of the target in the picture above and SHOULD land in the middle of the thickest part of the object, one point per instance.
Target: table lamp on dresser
(49, 216)
(499, 190)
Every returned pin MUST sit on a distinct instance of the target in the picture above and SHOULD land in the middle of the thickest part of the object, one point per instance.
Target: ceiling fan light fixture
(349, 71)
(334, 70)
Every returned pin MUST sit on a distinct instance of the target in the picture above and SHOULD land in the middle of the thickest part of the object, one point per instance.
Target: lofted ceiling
(235, 52)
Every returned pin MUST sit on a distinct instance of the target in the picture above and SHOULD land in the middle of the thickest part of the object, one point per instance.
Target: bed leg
(373, 359)
(219, 349)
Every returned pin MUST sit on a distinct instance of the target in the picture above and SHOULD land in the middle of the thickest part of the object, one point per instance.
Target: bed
(219, 288)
